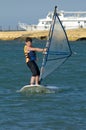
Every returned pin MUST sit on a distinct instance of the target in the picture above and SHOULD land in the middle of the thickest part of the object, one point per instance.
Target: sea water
(63, 110)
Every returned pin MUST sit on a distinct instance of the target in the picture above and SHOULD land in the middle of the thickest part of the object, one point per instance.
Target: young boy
(30, 55)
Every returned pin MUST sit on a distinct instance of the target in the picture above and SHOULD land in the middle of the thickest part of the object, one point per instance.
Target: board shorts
(34, 68)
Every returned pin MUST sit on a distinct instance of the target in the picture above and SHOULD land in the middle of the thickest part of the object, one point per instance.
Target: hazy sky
(29, 11)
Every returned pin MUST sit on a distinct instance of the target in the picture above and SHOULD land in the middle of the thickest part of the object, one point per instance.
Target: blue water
(63, 110)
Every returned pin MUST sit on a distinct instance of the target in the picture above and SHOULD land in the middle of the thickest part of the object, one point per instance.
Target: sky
(29, 11)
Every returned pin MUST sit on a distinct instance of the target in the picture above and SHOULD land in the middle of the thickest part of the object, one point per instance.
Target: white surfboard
(32, 89)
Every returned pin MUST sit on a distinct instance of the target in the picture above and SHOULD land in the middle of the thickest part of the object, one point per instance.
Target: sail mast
(48, 43)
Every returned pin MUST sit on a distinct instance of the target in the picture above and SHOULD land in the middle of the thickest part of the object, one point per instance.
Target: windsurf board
(35, 89)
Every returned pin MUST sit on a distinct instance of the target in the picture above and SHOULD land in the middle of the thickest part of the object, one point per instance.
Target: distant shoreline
(12, 35)
(73, 35)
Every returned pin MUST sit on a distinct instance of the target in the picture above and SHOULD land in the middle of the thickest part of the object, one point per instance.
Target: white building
(70, 20)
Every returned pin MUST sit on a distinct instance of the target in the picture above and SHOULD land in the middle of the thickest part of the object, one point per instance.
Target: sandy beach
(73, 35)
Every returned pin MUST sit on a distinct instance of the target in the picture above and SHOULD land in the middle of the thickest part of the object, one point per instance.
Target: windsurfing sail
(57, 46)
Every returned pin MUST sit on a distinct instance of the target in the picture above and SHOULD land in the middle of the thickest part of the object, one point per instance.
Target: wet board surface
(32, 89)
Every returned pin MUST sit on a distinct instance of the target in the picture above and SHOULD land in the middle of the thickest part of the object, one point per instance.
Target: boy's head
(28, 39)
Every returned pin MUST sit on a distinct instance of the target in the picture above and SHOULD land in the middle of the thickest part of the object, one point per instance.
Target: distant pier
(73, 35)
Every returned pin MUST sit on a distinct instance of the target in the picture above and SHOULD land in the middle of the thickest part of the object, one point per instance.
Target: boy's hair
(28, 39)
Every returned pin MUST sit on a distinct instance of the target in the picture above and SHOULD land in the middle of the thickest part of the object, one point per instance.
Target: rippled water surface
(63, 110)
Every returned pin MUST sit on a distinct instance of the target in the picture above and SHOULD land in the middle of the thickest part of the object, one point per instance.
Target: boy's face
(28, 43)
